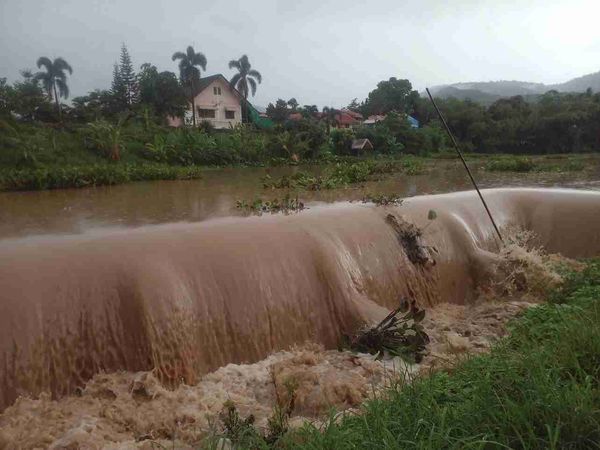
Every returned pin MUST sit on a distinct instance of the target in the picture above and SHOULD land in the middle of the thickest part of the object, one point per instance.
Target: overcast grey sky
(322, 52)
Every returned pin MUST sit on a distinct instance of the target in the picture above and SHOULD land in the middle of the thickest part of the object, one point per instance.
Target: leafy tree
(309, 111)
(293, 104)
(189, 73)
(54, 79)
(6, 94)
(161, 91)
(26, 99)
(94, 106)
(246, 79)
(391, 95)
(424, 111)
(342, 141)
(354, 105)
(278, 112)
(312, 133)
(330, 116)
(381, 137)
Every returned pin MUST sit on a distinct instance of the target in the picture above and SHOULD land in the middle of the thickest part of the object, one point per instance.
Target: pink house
(216, 101)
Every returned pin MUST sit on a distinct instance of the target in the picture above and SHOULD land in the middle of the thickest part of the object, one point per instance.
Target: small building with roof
(345, 120)
(216, 102)
(358, 116)
(372, 120)
(361, 146)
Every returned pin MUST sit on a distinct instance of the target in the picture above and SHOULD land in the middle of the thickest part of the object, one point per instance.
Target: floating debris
(383, 199)
(259, 206)
(395, 335)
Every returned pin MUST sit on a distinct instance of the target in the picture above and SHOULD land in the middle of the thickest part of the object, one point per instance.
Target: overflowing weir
(184, 299)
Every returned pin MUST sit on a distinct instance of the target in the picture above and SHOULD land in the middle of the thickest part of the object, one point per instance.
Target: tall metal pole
(465, 164)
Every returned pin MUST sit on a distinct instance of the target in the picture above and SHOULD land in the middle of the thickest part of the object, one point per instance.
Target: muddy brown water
(70, 211)
(186, 298)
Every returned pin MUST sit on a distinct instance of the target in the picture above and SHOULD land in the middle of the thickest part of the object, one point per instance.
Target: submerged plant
(236, 429)
(259, 206)
(513, 164)
(340, 175)
(242, 432)
(412, 166)
(396, 335)
(383, 199)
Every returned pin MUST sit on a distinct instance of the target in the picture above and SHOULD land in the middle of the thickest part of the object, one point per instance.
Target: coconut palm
(189, 72)
(246, 78)
(54, 78)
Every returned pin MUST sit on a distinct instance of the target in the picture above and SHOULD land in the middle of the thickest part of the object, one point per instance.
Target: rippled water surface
(215, 195)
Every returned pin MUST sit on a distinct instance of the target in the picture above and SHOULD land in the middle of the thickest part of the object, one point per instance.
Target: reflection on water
(77, 210)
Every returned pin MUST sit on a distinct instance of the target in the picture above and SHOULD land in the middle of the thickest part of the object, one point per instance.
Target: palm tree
(245, 80)
(54, 77)
(189, 72)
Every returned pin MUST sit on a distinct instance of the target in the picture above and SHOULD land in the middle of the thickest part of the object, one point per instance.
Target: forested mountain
(490, 91)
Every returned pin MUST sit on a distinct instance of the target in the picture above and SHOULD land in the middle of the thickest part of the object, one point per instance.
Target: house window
(206, 113)
(230, 115)
(217, 90)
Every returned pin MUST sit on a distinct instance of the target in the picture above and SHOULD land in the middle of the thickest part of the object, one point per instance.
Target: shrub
(434, 139)
(341, 140)
(382, 139)
(289, 145)
(192, 146)
(93, 175)
(106, 138)
(512, 164)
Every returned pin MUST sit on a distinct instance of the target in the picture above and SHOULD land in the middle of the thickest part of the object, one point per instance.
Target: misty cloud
(320, 52)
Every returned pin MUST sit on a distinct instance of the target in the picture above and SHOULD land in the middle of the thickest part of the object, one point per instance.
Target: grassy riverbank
(538, 388)
(92, 175)
(35, 157)
(340, 171)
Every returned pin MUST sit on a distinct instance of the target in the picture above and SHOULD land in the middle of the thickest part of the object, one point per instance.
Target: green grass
(527, 164)
(346, 173)
(538, 388)
(511, 164)
(92, 175)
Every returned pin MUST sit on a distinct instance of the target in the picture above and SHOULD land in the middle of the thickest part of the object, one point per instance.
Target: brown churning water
(184, 299)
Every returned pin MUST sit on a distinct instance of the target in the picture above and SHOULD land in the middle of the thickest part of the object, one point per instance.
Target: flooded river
(109, 337)
(70, 211)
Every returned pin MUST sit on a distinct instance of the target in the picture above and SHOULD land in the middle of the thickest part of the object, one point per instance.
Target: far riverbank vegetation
(121, 134)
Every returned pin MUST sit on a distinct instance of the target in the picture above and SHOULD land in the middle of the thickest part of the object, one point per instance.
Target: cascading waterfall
(184, 299)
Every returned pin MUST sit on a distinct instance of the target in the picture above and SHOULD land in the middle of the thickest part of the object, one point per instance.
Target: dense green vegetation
(498, 163)
(549, 123)
(344, 174)
(100, 137)
(91, 175)
(538, 388)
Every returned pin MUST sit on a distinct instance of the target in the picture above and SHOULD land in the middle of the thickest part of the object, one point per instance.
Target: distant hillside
(580, 84)
(464, 94)
(489, 91)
